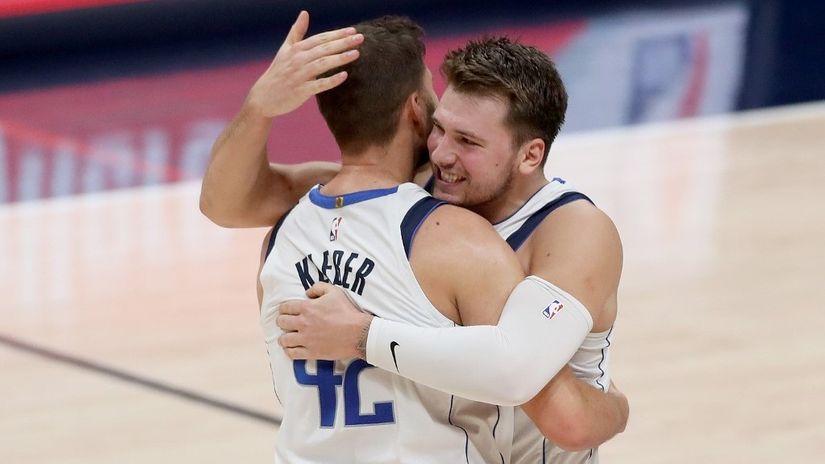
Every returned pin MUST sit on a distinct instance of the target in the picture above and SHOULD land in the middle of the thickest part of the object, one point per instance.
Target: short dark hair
(523, 75)
(365, 109)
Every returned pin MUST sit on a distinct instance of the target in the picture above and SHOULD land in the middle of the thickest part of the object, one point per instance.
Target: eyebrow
(459, 131)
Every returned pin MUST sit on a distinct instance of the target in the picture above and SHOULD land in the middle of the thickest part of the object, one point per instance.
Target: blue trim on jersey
(339, 201)
(466, 436)
(517, 238)
(430, 185)
(555, 179)
(275, 229)
(414, 218)
(602, 361)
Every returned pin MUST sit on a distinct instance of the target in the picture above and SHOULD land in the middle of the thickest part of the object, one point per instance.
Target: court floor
(129, 332)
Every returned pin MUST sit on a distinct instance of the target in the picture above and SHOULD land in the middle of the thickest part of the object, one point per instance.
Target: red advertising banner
(11, 8)
(153, 129)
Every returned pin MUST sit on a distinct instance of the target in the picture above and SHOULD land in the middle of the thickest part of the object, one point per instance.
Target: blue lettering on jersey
(337, 256)
(352, 400)
(327, 381)
(303, 272)
(342, 270)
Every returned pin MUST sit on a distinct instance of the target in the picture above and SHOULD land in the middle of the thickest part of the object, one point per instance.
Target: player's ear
(417, 108)
(531, 154)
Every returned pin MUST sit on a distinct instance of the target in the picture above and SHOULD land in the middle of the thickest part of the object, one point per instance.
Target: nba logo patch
(553, 309)
(333, 231)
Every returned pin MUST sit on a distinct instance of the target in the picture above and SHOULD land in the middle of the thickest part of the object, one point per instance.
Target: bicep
(489, 276)
(578, 250)
(464, 262)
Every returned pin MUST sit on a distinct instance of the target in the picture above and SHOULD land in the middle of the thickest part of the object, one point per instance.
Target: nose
(442, 153)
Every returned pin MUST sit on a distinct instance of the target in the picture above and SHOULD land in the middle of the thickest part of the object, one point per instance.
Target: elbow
(215, 214)
(208, 209)
(205, 206)
(575, 440)
(571, 434)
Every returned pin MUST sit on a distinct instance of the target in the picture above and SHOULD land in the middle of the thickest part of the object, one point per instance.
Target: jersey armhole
(275, 229)
(414, 218)
(517, 238)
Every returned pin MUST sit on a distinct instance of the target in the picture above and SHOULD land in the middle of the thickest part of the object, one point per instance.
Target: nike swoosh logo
(393, 345)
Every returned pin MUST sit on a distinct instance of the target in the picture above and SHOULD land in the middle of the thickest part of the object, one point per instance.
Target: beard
(480, 200)
(421, 157)
(483, 197)
(422, 154)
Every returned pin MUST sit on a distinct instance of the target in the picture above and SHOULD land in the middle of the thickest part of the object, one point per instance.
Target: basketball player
(488, 152)
(435, 279)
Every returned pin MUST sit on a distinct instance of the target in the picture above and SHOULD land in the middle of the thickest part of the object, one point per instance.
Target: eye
(467, 141)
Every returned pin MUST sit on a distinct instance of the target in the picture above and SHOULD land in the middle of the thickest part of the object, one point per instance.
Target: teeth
(450, 178)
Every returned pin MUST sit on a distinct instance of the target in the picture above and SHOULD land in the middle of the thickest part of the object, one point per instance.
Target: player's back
(347, 411)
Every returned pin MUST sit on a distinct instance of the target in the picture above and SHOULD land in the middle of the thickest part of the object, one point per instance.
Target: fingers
(325, 63)
(320, 288)
(333, 47)
(290, 340)
(297, 352)
(291, 343)
(298, 29)
(292, 307)
(324, 37)
(288, 323)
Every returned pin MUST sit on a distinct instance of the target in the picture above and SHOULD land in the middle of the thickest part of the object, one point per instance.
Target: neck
(374, 168)
(513, 198)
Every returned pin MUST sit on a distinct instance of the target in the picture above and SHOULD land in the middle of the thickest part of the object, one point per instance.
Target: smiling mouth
(449, 178)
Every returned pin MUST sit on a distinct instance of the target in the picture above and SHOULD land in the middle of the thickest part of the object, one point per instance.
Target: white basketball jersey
(348, 411)
(590, 362)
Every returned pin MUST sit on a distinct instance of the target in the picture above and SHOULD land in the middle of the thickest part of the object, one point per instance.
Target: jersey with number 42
(349, 411)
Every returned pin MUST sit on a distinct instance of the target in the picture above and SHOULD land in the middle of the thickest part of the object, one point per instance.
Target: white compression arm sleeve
(540, 329)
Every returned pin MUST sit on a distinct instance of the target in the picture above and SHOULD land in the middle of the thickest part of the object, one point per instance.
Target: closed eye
(467, 141)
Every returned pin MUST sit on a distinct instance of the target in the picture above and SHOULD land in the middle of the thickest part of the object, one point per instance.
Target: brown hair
(365, 109)
(524, 76)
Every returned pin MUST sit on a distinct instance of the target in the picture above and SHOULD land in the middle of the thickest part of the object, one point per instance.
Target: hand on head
(292, 77)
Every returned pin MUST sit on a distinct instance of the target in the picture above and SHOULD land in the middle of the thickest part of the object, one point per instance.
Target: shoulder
(459, 231)
(462, 262)
(579, 222)
(578, 248)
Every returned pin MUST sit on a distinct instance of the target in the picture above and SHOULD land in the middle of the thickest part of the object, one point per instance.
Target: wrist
(361, 346)
(255, 110)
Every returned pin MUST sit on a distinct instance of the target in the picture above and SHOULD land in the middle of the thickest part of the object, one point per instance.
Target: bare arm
(468, 272)
(575, 415)
(463, 265)
(450, 242)
(512, 351)
(240, 187)
(578, 249)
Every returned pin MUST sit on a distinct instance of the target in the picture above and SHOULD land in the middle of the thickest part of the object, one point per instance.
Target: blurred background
(106, 94)
(128, 329)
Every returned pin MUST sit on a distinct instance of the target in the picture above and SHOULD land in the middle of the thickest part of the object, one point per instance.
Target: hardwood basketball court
(129, 331)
